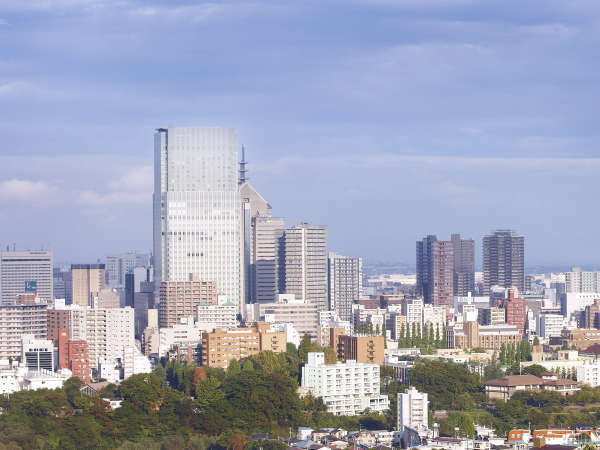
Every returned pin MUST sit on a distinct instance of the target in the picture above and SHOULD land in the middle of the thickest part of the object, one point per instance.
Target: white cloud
(133, 187)
(25, 191)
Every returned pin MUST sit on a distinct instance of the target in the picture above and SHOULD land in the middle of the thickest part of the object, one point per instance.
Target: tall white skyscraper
(197, 207)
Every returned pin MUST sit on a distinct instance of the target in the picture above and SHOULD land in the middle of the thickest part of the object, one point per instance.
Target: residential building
(578, 281)
(109, 331)
(73, 355)
(26, 272)
(134, 362)
(592, 315)
(287, 309)
(223, 315)
(550, 325)
(71, 318)
(305, 264)
(197, 207)
(573, 302)
(267, 264)
(412, 309)
(516, 311)
(107, 298)
(504, 388)
(413, 409)
(464, 265)
(345, 283)
(17, 320)
(37, 354)
(87, 280)
(435, 271)
(363, 349)
(185, 333)
(589, 374)
(180, 298)
(221, 346)
(503, 261)
(346, 388)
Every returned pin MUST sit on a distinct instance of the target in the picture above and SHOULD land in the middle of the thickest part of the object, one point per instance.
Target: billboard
(31, 287)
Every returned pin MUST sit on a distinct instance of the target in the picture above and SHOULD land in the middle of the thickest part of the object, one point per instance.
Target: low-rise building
(504, 388)
(346, 388)
(222, 315)
(287, 309)
(580, 338)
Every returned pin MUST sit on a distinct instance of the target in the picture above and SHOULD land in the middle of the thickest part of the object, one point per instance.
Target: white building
(223, 315)
(16, 377)
(413, 310)
(197, 207)
(589, 373)
(346, 388)
(134, 362)
(581, 281)
(185, 333)
(434, 315)
(25, 272)
(37, 354)
(576, 301)
(327, 322)
(345, 283)
(550, 325)
(291, 334)
(108, 332)
(17, 320)
(287, 309)
(412, 410)
(109, 369)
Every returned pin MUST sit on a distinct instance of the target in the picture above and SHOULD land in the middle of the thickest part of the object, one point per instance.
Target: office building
(180, 298)
(574, 302)
(25, 272)
(71, 318)
(37, 354)
(143, 301)
(473, 335)
(503, 261)
(435, 271)
(305, 250)
(491, 316)
(413, 409)
(185, 333)
(591, 315)
(287, 309)
(117, 266)
(17, 320)
(581, 281)
(345, 284)
(267, 259)
(362, 349)
(464, 265)
(197, 208)
(347, 389)
(87, 280)
(221, 346)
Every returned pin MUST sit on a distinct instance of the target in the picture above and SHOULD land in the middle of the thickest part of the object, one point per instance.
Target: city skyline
(434, 109)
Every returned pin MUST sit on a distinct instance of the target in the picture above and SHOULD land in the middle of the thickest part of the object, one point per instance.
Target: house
(504, 388)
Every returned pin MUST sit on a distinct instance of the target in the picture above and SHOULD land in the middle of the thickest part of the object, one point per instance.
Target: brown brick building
(474, 335)
(362, 349)
(221, 346)
(581, 338)
(179, 299)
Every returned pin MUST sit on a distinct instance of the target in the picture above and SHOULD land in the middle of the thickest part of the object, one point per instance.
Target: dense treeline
(178, 406)
(426, 337)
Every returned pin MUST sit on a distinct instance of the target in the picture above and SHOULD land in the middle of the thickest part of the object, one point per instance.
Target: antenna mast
(243, 171)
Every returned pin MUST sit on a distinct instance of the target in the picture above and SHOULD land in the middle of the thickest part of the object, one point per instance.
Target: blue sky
(386, 119)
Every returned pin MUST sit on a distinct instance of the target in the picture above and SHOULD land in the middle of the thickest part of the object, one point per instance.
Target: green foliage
(534, 369)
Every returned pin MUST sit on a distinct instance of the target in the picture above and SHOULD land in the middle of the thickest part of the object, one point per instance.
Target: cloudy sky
(385, 119)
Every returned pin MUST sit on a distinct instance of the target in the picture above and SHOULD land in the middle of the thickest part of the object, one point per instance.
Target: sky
(385, 120)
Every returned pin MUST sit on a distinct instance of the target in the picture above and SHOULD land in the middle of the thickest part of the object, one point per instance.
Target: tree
(431, 340)
(402, 338)
(438, 341)
(413, 335)
(233, 368)
(248, 366)
(536, 341)
(377, 330)
(384, 334)
(534, 369)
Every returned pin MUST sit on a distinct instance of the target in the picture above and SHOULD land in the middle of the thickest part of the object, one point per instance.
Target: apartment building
(346, 388)
(221, 346)
(288, 309)
(223, 315)
(17, 320)
(87, 280)
(413, 408)
(109, 331)
(362, 349)
(179, 299)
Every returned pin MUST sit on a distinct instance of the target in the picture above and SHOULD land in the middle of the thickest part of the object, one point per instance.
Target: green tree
(248, 366)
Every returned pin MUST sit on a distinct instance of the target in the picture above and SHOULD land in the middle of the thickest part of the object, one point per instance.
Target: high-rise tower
(464, 265)
(503, 260)
(345, 283)
(197, 208)
(435, 271)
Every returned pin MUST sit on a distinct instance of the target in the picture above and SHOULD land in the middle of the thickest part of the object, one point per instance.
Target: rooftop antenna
(242, 176)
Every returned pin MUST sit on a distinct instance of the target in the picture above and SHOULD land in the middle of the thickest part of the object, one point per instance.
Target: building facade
(582, 281)
(347, 389)
(503, 261)
(26, 272)
(197, 208)
(435, 271)
(18, 320)
(180, 298)
(464, 265)
(362, 349)
(267, 265)
(345, 283)
(305, 262)
(413, 410)
(87, 280)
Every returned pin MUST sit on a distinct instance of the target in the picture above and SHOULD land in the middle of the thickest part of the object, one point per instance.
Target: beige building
(303, 315)
(87, 281)
(180, 298)
(17, 320)
(221, 346)
(362, 349)
(473, 335)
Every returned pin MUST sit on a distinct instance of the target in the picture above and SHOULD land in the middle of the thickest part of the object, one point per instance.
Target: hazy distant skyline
(385, 120)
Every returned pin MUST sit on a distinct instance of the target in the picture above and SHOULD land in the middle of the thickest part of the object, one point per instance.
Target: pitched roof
(515, 380)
